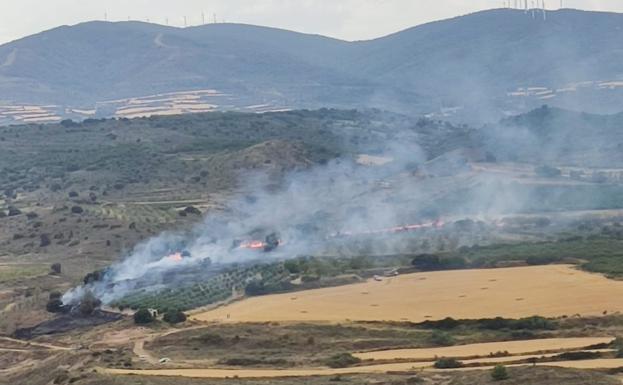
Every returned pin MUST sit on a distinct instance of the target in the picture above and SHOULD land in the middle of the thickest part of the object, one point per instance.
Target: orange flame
(255, 244)
(396, 229)
(176, 257)
(252, 245)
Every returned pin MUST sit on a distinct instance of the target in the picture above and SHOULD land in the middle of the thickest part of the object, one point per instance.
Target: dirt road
(385, 368)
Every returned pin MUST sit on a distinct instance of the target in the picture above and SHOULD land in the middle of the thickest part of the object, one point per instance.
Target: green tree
(292, 266)
(174, 316)
(143, 316)
(499, 373)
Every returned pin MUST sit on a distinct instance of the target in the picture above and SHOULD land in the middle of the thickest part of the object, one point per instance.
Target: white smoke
(305, 210)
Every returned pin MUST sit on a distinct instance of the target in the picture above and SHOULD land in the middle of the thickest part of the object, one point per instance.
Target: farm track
(368, 369)
(34, 344)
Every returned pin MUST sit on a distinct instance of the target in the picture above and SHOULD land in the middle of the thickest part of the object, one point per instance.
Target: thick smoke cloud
(309, 210)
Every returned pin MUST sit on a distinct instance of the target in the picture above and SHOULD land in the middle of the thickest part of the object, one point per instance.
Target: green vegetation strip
(10, 273)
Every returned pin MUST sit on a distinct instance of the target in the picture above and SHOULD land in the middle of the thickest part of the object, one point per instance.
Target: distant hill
(478, 66)
(557, 136)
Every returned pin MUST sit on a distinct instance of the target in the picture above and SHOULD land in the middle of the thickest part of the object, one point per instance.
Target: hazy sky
(345, 19)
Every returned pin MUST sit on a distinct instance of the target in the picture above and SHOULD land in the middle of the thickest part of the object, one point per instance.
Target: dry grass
(484, 349)
(9, 273)
(548, 291)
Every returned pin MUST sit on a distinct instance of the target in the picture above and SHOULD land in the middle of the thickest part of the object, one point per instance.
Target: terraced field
(136, 213)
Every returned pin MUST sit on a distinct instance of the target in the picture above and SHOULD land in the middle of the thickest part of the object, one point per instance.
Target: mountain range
(479, 66)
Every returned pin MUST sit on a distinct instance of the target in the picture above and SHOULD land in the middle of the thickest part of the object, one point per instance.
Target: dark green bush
(54, 305)
(572, 356)
(174, 316)
(55, 268)
(342, 360)
(448, 363)
(143, 316)
(499, 373)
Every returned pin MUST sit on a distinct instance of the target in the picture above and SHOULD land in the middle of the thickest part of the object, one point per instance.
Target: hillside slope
(483, 64)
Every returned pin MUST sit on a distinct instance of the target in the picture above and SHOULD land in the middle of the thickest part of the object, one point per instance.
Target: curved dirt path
(145, 355)
(269, 373)
(142, 354)
(369, 369)
(35, 344)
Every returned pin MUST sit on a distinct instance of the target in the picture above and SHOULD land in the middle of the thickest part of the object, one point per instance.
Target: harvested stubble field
(484, 349)
(550, 291)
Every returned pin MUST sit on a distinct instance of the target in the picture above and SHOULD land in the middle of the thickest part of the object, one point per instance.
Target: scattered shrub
(448, 363)
(174, 316)
(192, 210)
(143, 316)
(93, 277)
(54, 305)
(77, 210)
(55, 268)
(342, 360)
(499, 373)
(292, 266)
(44, 240)
(13, 211)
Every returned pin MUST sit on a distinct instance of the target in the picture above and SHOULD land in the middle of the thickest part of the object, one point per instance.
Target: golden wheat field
(548, 291)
